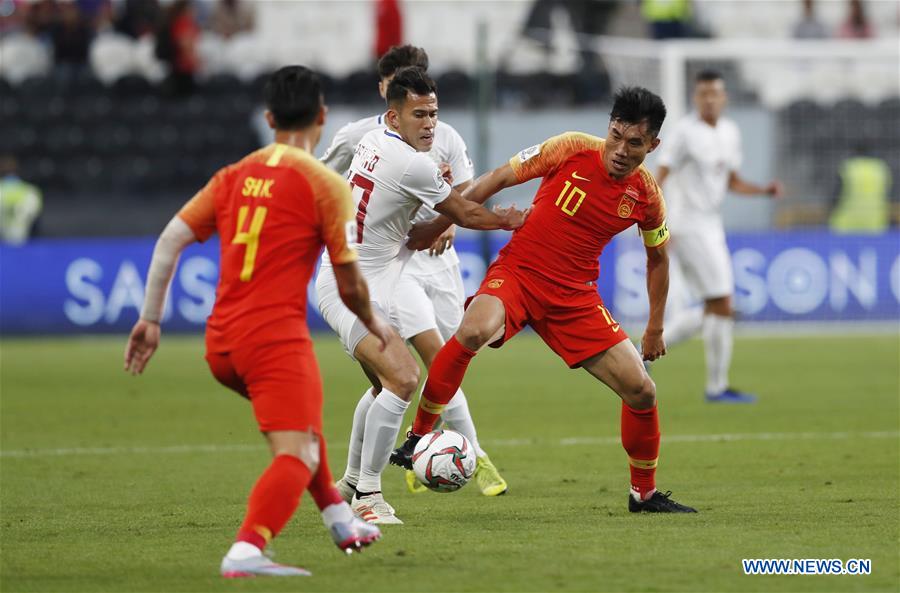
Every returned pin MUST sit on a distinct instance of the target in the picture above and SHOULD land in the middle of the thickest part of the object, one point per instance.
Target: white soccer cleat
(258, 566)
(354, 535)
(347, 491)
(373, 509)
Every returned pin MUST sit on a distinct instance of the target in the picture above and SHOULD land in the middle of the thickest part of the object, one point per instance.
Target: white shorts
(342, 320)
(428, 301)
(705, 262)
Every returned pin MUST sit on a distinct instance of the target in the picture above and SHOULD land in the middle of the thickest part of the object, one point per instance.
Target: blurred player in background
(273, 210)
(700, 159)
(428, 301)
(546, 277)
(392, 176)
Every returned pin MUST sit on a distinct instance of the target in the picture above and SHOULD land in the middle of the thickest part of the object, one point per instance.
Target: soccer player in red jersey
(545, 277)
(274, 210)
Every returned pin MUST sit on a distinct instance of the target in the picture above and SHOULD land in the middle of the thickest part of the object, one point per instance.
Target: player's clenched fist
(653, 345)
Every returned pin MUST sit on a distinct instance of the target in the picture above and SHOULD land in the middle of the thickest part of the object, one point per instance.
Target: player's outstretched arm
(741, 186)
(423, 235)
(355, 295)
(468, 214)
(144, 338)
(652, 344)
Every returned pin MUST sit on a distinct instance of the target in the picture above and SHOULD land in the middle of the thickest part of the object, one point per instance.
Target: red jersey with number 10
(273, 210)
(579, 208)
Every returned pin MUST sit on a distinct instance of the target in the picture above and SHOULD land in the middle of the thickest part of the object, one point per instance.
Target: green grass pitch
(114, 483)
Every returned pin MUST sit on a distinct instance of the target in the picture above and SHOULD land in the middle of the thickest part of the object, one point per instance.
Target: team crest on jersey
(495, 283)
(626, 206)
(529, 153)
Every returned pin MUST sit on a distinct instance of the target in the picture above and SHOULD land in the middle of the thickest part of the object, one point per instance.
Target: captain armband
(656, 237)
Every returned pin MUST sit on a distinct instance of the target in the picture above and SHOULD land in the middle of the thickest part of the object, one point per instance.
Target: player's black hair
(409, 80)
(634, 104)
(401, 56)
(708, 76)
(294, 95)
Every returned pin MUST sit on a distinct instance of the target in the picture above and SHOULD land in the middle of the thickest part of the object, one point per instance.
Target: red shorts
(281, 381)
(572, 321)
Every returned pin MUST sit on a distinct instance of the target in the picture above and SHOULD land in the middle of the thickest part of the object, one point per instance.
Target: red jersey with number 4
(273, 210)
(579, 208)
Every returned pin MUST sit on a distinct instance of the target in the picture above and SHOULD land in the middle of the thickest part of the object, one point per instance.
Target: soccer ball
(444, 460)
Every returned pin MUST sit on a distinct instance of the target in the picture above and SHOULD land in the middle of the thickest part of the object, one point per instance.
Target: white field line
(684, 438)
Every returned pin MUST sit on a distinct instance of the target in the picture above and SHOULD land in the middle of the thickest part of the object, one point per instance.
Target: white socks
(457, 415)
(336, 513)
(718, 340)
(351, 474)
(382, 426)
(683, 325)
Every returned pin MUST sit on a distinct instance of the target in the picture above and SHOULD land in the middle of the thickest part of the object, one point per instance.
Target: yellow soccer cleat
(489, 480)
(413, 484)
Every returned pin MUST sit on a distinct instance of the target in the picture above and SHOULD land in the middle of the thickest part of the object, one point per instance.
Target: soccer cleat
(372, 508)
(413, 484)
(346, 489)
(658, 503)
(402, 455)
(258, 566)
(731, 396)
(354, 535)
(489, 480)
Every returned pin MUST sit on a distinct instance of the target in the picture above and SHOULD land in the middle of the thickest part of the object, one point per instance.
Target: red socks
(640, 437)
(273, 500)
(444, 378)
(322, 486)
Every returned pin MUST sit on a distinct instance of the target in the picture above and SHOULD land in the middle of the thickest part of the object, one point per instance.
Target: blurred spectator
(587, 17)
(667, 18)
(97, 13)
(176, 44)
(20, 204)
(388, 26)
(40, 19)
(12, 15)
(809, 26)
(857, 25)
(139, 18)
(862, 201)
(230, 17)
(71, 38)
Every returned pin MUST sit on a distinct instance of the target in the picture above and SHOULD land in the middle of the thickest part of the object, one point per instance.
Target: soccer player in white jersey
(429, 299)
(392, 176)
(700, 162)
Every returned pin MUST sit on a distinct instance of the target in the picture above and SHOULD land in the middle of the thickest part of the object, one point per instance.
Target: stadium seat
(361, 87)
(455, 87)
(132, 86)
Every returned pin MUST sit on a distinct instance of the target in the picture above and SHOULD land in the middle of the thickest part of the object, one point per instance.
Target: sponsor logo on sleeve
(495, 283)
(529, 153)
(350, 233)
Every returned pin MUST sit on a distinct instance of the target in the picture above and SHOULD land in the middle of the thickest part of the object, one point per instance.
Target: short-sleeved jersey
(700, 158)
(390, 180)
(449, 147)
(579, 208)
(273, 210)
